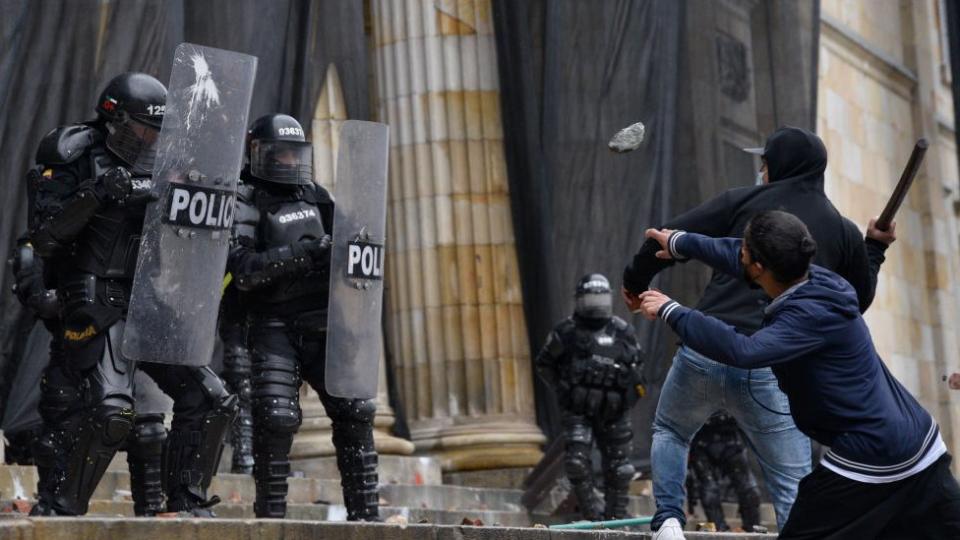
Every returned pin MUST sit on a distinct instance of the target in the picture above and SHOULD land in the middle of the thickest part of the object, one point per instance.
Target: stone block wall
(881, 86)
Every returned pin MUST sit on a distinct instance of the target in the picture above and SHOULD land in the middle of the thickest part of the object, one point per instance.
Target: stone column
(454, 307)
(314, 438)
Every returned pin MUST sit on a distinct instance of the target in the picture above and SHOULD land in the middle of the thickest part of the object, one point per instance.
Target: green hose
(612, 524)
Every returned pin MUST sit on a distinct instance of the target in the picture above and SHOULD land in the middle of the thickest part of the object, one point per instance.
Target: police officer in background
(718, 452)
(593, 362)
(236, 373)
(92, 185)
(280, 261)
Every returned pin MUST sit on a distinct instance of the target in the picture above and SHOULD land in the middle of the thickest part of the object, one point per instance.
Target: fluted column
(455, 314)
(315, 438)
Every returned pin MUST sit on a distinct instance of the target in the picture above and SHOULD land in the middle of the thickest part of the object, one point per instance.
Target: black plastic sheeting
(953, 39)
(56, 55)
(572, 74)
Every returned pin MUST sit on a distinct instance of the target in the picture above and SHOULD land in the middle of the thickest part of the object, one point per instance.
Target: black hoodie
(795, 161)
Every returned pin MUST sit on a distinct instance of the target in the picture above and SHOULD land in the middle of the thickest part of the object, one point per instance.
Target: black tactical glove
(318, 250)
(117, 184)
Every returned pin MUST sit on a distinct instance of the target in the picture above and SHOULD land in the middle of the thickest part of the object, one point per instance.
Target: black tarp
(952, 16)
(56, 55)
(571, 74)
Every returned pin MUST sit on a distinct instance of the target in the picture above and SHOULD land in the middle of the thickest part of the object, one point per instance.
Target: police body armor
(281, 217)
(109, 245)
(94, 275)
(598, 377)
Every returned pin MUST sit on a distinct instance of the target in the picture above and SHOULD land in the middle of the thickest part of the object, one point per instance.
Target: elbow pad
(58, 230)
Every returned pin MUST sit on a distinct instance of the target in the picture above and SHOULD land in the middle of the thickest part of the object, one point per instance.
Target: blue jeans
(695, 388)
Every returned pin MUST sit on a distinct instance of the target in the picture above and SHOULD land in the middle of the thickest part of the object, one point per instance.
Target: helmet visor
(283, 162)
(134, 142)
(595, 305)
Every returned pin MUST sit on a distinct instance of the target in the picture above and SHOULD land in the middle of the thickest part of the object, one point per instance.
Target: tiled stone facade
(883, 84)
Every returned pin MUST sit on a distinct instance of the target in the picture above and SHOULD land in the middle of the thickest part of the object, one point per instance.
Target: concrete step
(221, 529)
(20, 482)
(324, 512)
(418, 470)
(731, 512)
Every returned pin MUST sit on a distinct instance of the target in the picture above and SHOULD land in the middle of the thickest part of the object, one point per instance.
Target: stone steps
(221, 529)
(336, 512)
(320, 499)
(768, 517)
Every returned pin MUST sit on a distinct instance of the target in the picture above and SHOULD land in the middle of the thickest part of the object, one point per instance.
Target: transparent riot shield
(354, 331)
(183, 252)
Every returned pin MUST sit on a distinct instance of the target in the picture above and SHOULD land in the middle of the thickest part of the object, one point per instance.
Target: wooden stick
(906, 180)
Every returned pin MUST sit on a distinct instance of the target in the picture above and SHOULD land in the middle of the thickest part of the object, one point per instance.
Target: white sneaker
(669, 530)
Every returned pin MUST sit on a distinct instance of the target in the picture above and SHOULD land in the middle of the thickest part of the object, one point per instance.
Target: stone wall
(883, 83)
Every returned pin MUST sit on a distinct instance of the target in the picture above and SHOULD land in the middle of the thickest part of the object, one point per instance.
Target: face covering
(759, 178)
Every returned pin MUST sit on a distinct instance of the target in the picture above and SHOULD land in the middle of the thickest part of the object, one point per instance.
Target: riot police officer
(280, 261)
(54, 439)
(91, 188)
(594, 363)
(718, 451)
(59, 395)
(236, 373)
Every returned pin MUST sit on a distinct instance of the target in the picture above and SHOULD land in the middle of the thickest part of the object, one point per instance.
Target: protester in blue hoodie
(887, 473)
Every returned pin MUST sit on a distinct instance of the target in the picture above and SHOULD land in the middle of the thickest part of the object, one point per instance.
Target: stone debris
(397, 519)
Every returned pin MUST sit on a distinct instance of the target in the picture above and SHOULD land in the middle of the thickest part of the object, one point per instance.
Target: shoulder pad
(565, 327)
(317, 194)
(246, 213)
(620, 324)
(66, 144)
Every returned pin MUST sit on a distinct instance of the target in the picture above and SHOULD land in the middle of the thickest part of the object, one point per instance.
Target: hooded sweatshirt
(796, 160)
(841, 393)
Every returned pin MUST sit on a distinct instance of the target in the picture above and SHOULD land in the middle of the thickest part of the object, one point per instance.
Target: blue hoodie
(841, 394)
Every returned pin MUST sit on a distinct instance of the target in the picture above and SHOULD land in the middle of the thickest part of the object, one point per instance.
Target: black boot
(270, 472)
(97, 440)
(236, 373)
(145, 461)
(192, 456)
(357, 458)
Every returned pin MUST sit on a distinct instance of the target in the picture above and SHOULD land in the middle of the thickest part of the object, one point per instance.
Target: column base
(320, 444)
(496, 444)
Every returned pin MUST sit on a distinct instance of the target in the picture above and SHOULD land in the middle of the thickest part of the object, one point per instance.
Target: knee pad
(149, 429)
(623, 472)
(275, 393)
(352, 411)
(578, 433)
(577, 464)
(117, 423)
(278, 415)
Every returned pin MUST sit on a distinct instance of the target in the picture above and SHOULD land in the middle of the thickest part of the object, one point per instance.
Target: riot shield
(354, 331)
(183, 252)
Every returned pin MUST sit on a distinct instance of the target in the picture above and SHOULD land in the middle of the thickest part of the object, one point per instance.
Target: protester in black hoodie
(794, 162)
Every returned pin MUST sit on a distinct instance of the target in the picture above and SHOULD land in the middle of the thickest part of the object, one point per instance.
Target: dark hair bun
(808, 246)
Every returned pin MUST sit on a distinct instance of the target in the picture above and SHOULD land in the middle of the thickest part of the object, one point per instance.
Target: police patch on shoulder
(83, 335)
(604, 339)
